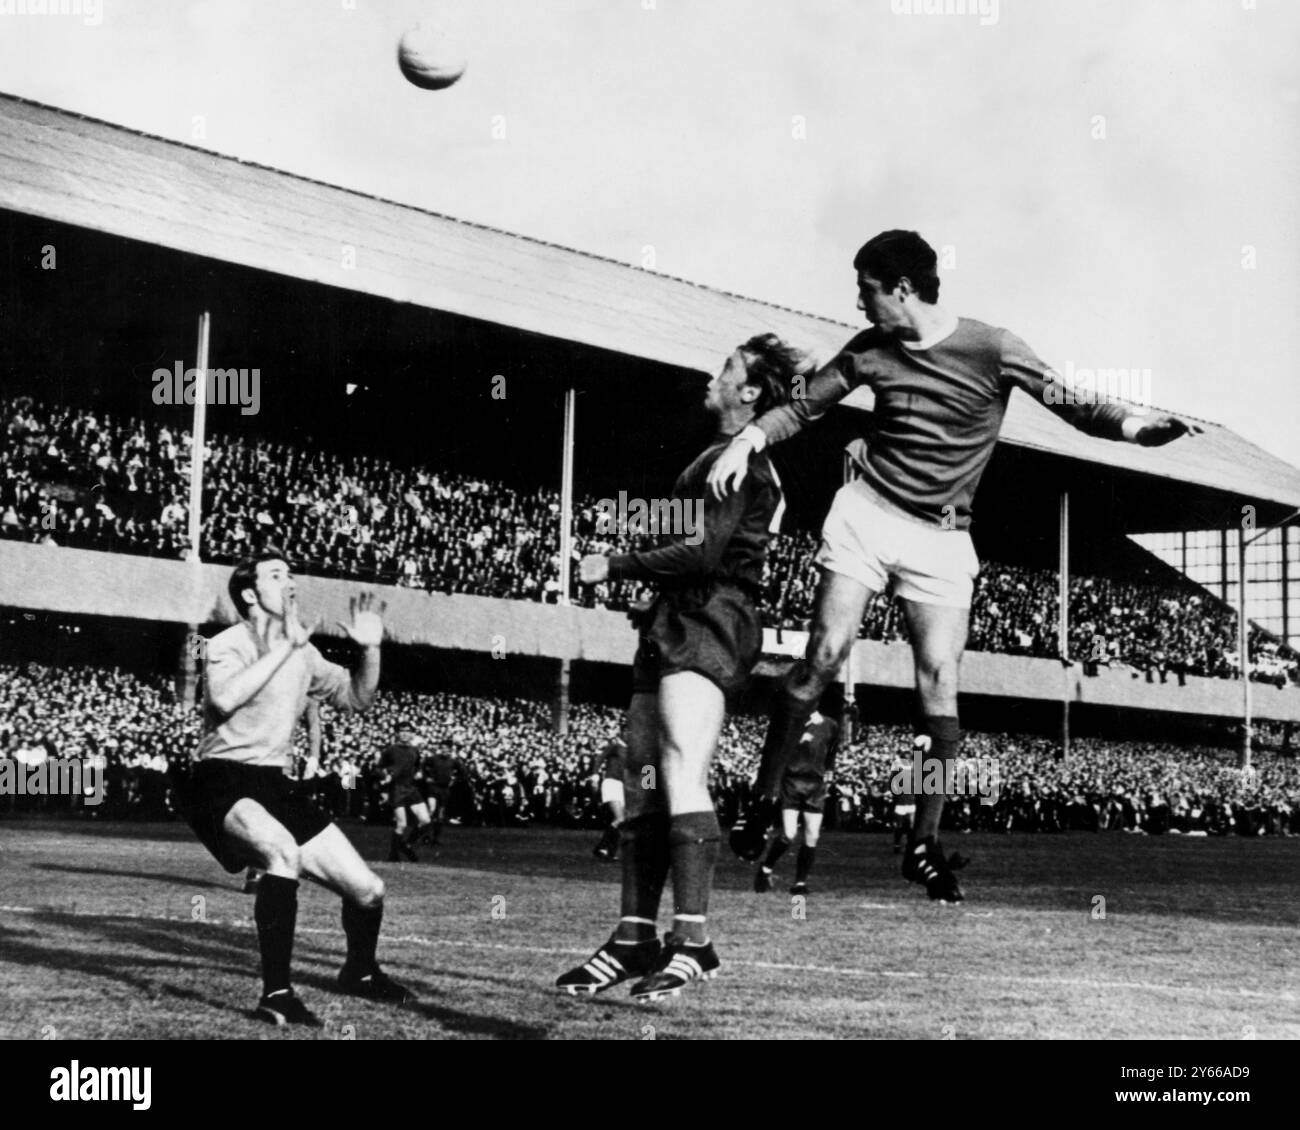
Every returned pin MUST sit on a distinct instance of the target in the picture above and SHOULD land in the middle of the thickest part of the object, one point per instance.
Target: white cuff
(1132, 425)
(754, 436)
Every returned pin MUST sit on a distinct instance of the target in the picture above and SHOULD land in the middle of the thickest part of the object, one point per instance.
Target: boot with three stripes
(610, 965)
(679, 964)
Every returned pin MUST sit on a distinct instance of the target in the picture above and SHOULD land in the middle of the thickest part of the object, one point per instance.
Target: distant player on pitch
(613, 807)
(399, 765)
(803, 799)
(258, 677)
(941, 387)
(699, 641)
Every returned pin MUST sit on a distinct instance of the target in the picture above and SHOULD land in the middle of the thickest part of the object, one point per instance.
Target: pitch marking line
(774, 966)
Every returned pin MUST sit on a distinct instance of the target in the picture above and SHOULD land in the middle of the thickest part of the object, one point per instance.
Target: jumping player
(941, 387)
(612, 803)
(400, 765)
(698, 642)
(803, 797)
(258, 677)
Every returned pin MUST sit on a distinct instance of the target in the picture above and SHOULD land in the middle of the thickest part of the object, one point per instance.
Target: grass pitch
(132, 931)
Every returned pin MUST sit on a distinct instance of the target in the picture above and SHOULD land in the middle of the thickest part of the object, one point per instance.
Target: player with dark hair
(803, 799)
(613, 805)
(258, 677)
(941, 387)
(399, 764)
(699, 641)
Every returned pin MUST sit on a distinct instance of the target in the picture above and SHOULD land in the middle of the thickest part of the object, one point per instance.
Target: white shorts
(863, 540)
(611, 791)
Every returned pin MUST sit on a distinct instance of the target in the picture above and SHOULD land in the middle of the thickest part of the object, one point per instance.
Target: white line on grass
(775, 966)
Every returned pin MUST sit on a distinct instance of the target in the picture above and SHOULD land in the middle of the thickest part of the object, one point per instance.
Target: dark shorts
(215, 786)
(804, 794)
(405, 796)
(437, 800)
(713, 630)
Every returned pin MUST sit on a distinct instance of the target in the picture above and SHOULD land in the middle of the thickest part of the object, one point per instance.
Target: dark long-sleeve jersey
(732, 534)
(938, 412)
(814, 756)
(400, 762)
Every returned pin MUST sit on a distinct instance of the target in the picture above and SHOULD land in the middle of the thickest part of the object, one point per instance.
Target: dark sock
(394, 848)
(361, 925)
(945, 739)
(693, 839)
(275, 910)
(775, 850)
(803, 862)
(611, 819)
(644, 844)
(785, 728)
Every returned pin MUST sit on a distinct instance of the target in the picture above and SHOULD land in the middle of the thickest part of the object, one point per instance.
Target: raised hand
(593, 569)
(730, 468)
(367, 627)
(298, 634)
(1163, 429)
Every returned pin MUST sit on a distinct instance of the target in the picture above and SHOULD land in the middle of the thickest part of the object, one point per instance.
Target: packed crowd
(85, 479)
(513, 769)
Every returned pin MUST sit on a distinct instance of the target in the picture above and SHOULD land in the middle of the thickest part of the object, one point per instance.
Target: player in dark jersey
(440, 772)
(400, 766)
(803, 797)
(258, 676)
(699, 641)
(612, 797)
(941, 387)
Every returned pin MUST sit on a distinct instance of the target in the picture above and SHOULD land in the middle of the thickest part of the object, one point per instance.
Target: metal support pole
(1243, 652)
(566, 551)
(1063, 627)
(187, 682)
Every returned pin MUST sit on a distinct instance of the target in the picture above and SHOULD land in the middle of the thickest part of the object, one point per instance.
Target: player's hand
(730, 468)
(1162, 429)
(593, 569)
(298, 634)
(367, 627)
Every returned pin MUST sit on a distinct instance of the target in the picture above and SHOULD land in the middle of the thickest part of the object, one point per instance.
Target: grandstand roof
(75, 170)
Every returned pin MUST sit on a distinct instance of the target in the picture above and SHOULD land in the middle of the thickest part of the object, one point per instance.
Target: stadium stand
(516, 770)
(73, 478)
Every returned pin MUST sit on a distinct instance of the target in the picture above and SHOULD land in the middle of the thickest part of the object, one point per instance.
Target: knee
(825, 657)
(371, 893)
(936, 676)
(282, 857)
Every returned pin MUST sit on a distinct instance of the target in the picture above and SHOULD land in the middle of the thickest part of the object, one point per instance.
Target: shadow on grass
(159, 957)
(177, 880)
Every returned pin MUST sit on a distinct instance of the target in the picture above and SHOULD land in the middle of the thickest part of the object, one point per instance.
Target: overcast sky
(1115, 180)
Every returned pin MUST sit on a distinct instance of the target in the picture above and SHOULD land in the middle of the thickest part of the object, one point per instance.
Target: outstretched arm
(1089, 412)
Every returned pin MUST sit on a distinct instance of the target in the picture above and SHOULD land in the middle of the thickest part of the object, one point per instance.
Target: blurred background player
(699, 641)
(399, 765)
(612, 803)
(441, 770)
(803, 798)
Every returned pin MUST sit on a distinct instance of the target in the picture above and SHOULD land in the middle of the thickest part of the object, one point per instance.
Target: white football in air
(429, 58)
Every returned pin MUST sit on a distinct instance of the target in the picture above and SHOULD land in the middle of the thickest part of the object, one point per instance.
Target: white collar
(948, 328)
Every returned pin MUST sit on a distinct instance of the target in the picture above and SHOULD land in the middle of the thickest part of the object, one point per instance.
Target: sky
(1115, 180)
